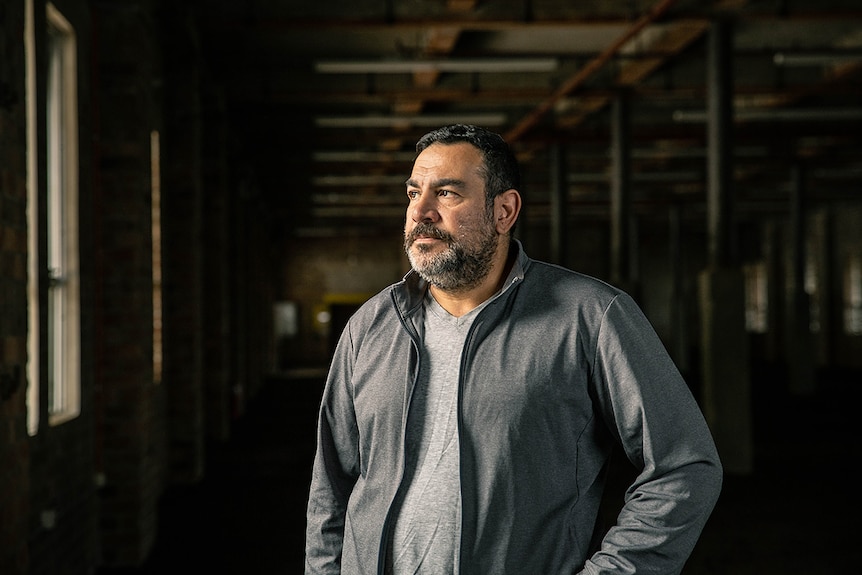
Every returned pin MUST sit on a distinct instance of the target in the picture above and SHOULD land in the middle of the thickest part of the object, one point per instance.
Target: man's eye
(444, 193)
(412, 194)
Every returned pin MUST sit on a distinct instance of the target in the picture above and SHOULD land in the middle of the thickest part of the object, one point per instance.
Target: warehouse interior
(232, 178)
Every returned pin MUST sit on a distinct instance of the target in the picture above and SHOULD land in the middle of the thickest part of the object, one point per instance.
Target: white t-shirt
(425, 536)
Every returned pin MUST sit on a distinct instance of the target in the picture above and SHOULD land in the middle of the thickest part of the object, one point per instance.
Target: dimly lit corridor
(195, 196)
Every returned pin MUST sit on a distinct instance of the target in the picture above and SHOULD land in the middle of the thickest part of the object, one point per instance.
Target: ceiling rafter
(588, 70)
(440, 42)
(272, 83)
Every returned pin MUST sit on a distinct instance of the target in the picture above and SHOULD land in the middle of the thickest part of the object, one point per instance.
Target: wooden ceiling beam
(588, 70)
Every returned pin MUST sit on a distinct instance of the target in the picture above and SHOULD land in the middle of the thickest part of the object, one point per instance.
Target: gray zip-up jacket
(556, 370)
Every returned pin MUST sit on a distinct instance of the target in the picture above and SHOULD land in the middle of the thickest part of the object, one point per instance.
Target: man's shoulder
(552, 277)
(546, 276)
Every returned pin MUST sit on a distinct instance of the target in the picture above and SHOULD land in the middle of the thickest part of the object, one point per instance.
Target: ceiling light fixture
(358, 180)
(408, 121)
(813, 59)
(360, 156)
(411, 66)
(775, 115)
(637, 177)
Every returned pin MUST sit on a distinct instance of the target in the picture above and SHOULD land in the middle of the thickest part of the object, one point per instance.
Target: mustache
(427, 230)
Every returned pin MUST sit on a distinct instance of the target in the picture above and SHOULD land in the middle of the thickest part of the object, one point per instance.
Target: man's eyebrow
(441, 183)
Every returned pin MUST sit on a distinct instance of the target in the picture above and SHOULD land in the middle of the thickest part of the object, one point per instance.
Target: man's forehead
(447, 163)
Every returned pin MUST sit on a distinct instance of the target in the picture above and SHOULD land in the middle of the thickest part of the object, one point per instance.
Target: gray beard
(457, 268)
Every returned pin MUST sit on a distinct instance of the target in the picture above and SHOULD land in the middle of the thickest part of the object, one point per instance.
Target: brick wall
(217, 233)
(182, 203)
(14, 448)
(84, 494)
(131, 446)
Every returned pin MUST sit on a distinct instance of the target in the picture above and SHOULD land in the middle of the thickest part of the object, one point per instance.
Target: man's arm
(336, 465)
(650, 409)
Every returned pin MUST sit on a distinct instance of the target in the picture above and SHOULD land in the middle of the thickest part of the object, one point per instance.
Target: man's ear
(507, 206)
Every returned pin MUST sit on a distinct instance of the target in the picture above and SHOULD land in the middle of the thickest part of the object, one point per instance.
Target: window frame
(33, 227)
(63, 309)
(156, 235)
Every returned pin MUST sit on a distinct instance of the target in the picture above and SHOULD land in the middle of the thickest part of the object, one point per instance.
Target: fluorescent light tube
(776, 115)
(407, 121)
(782, 59)
(411, 66)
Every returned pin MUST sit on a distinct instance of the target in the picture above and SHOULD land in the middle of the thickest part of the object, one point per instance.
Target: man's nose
(424, 209)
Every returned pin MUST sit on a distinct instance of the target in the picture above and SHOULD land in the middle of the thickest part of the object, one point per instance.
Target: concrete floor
(795, 514)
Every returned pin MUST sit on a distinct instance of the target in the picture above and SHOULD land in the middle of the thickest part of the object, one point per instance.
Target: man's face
(449, 234)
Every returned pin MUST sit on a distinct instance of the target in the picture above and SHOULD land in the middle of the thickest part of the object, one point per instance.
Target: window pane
(156, 218)
(63, 337)
(756, 298)
(853, 295)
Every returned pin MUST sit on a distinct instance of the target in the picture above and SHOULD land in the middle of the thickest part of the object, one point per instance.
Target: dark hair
(500, 166)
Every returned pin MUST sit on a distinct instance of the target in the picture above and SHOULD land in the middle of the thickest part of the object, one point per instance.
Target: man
(470, 410)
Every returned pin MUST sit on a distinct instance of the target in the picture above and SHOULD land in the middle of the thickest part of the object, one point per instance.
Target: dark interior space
(195, 196)
(793, 515)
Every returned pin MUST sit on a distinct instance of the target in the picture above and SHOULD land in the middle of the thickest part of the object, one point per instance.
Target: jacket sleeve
(335, 469)
(650, 409)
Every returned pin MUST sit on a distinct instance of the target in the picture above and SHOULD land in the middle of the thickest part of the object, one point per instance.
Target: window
(812, 288)
(63, 313)
(156, 219)
(32, 227)
(756, 297)
(61, 225)
(853, 295)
